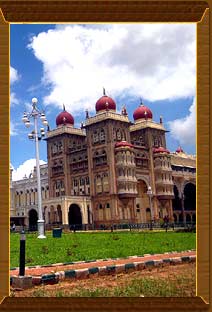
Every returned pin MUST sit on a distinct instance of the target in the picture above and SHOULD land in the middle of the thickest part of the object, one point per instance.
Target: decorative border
(59, 276)
(111, 11)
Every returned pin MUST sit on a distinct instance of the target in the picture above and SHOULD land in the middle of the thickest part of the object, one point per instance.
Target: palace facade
(108, 171)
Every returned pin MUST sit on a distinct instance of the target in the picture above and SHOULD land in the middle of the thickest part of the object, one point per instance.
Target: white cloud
(184, 130)
(24, 169)
(13, 99)
(155, 61)
(14, 76)
(13, 130)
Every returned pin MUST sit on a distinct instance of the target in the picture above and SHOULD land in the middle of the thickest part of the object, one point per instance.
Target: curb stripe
(104, 270)
(70, 273)
(93, 270)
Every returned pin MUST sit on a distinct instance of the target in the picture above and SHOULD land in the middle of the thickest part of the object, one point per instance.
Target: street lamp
(150, 194)
(34, 135)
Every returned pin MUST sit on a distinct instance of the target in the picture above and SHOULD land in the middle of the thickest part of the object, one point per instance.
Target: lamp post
(150, 194)
(34, 135)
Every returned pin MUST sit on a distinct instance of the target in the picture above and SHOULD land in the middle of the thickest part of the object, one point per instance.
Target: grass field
(89, 246)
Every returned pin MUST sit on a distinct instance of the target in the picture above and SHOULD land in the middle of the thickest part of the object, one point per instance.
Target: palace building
(109, 171)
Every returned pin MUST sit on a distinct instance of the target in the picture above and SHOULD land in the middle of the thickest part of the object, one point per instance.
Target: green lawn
(89, 246)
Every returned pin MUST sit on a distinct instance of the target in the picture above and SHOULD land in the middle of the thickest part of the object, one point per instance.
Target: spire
(124, 111)
(86, 113)
(141, 102)
(104, 91)
(64, 107)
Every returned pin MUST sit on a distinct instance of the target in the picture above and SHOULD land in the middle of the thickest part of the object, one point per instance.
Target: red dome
(179, 150)
(105, 102)
(64, 118)
(142, 112)
(160, 150)
(123, 144)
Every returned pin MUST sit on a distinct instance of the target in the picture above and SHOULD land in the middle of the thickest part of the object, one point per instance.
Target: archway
(180, 217)
(74, 216)
(190, 197)
(148, 215)
(188, 218)
(142, 189)
(59, 214)
(175, 217)
(33, 218)
(52, 215)
(176, 202)
(194, 218)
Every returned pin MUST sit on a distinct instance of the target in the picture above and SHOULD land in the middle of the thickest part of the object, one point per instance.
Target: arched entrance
(59, 215)
(148, 215)
(74, 216)
(181, 217)
(175, 217)
(176, 202)
(188, 218)
(142, 189)
(142, 200)
(33, 218)
(190, 197)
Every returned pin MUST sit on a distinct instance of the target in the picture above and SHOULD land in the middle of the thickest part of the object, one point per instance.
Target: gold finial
(104, 91)
(86, 113)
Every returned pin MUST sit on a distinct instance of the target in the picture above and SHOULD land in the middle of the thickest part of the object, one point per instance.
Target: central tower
(103, 131)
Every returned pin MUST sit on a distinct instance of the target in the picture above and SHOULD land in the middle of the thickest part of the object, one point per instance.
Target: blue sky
(71, 63)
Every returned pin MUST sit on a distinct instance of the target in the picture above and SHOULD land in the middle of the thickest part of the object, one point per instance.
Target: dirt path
(183, 276)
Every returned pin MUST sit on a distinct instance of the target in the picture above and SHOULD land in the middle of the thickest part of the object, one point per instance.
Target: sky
(71, 63)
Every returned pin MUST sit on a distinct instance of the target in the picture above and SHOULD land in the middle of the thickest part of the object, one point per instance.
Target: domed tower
(142, 113)
(103, 131)
(105, 103)
(163, 180)
(67, 156)
(179, 150)
(64, 119)
(147, 135)
(126, 178)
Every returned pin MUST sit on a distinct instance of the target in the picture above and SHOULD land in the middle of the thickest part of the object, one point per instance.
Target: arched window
(118, 135)
(102, 135)
(123, 135)
(95, 137)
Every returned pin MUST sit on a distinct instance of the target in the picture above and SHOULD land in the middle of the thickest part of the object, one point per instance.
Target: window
(118, 135)
(95, 137)
(102, 135)
(82, 181)
(100, 206)
(107, 205)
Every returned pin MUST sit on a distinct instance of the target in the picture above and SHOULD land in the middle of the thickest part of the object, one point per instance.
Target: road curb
(54, 278)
